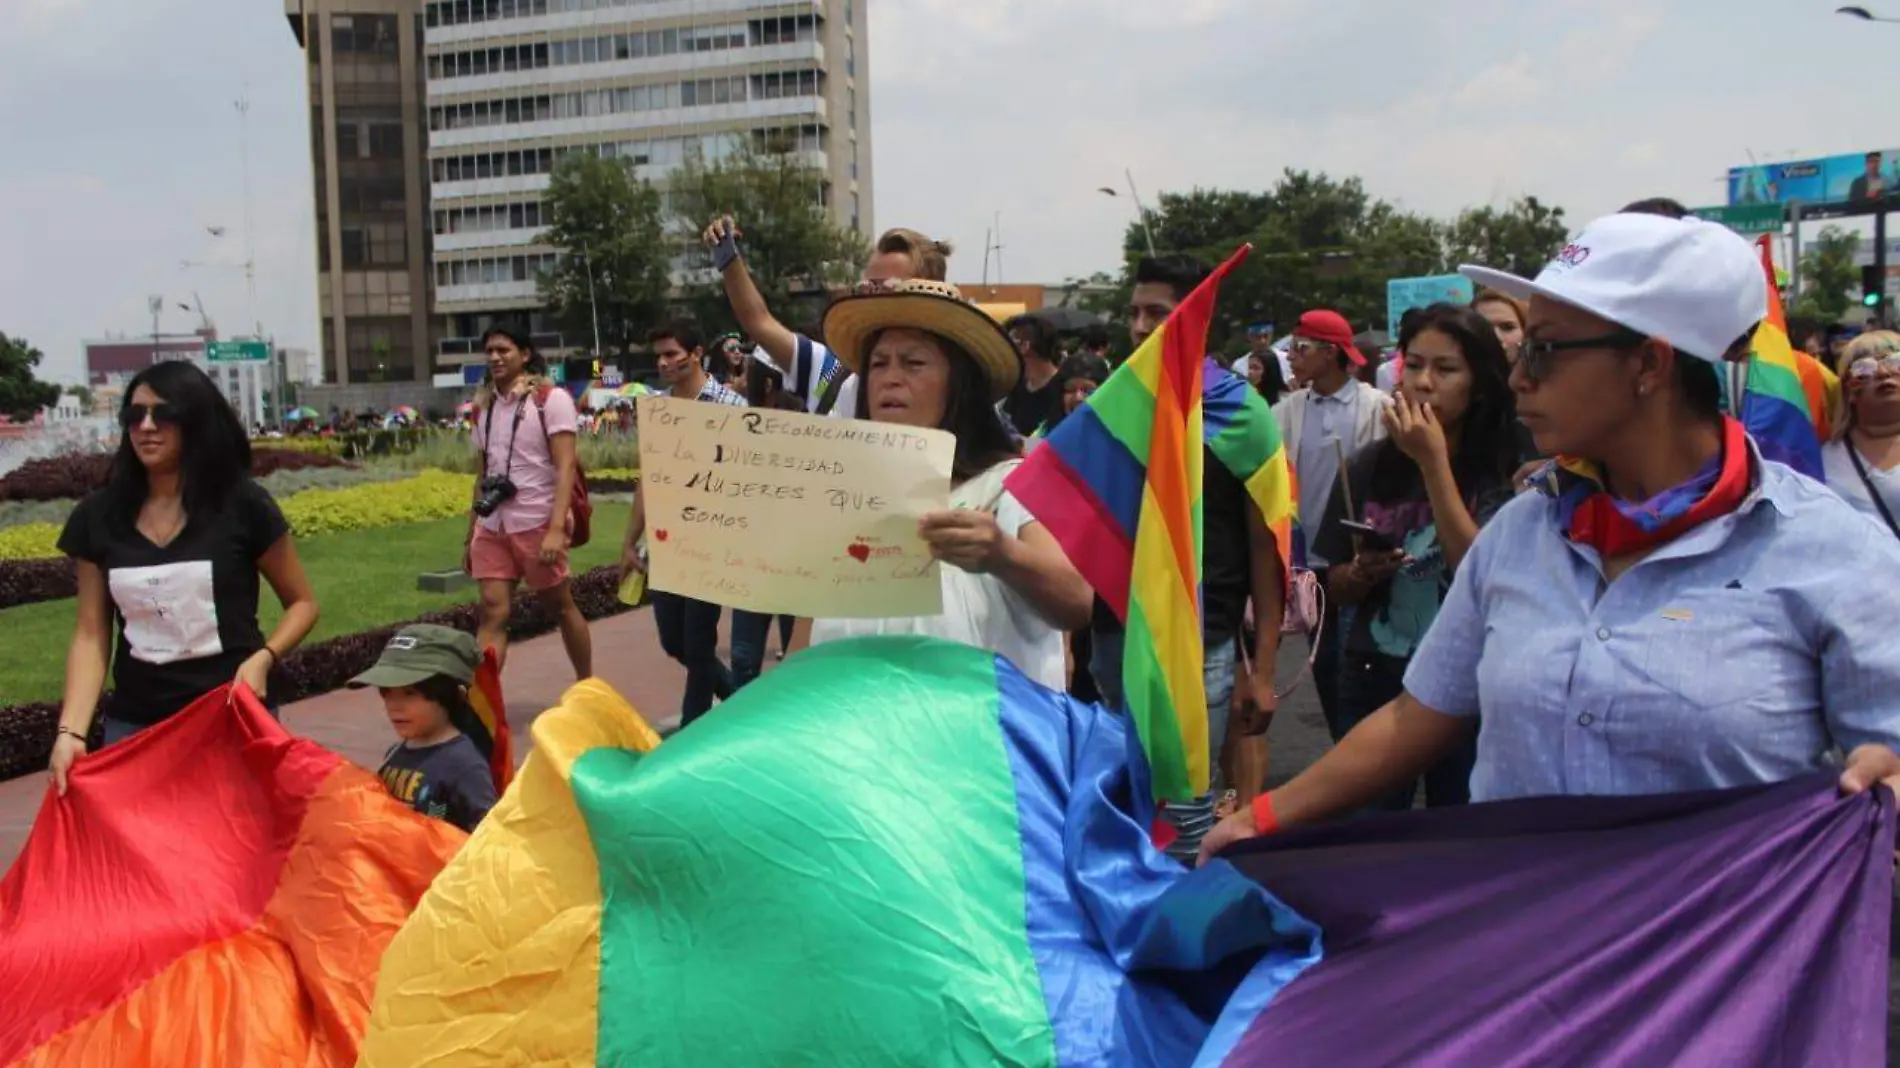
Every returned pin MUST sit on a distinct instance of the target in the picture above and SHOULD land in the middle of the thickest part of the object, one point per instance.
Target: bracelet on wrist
(1264, 819)
(70, 733)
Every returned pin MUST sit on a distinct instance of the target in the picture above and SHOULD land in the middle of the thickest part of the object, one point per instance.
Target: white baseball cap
(1695, 284)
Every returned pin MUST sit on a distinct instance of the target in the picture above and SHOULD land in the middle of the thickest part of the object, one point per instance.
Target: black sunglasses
(1537, 357)
(162, 414)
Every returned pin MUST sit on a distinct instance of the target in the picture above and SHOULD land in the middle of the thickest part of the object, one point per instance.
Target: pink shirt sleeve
(558, 415)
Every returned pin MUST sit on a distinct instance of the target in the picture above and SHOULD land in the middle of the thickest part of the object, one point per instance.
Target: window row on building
(463, 12)
(609, 48)
(491, 217)
(626, 99)
(490, 270)
(657, 151)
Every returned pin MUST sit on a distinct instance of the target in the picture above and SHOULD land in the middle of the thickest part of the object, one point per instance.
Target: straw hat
(933, 307)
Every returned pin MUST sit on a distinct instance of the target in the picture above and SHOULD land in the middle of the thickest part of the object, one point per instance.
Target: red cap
(1332, 328)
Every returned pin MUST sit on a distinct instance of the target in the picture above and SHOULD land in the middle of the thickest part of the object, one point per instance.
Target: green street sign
(237, 351)
(1747, 219)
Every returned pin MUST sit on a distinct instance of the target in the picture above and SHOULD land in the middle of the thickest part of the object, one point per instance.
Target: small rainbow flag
(1118, 484)
(1775, 404)
(490, 731)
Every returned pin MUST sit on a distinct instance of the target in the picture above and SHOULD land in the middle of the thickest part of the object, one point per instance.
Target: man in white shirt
(811, 371)
(1324, 426)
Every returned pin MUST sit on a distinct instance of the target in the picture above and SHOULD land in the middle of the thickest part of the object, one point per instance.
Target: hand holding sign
(782, 512)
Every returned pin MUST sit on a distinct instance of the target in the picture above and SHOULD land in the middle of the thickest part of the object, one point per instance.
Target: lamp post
(1141, 213)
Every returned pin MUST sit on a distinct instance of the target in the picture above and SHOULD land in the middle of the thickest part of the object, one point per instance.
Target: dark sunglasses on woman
(162, 414)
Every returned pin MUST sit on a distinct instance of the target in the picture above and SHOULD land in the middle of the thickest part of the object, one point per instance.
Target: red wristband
(1264, 821)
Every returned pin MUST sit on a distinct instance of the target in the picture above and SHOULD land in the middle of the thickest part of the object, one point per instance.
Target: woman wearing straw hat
(926, 357)
(1669, 612)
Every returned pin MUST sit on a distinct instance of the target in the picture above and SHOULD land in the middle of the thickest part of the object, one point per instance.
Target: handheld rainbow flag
(490, 732)
(1118, 484)
(1775, 406)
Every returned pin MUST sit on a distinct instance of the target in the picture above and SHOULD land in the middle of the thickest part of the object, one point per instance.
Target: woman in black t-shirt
(170, 552)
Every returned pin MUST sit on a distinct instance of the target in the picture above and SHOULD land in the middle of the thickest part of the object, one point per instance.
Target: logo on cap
(401, 642)
(1573, 255)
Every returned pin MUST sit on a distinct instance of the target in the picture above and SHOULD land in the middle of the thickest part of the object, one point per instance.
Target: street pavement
(627, 656)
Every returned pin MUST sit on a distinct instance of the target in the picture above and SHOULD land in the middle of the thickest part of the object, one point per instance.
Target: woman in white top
(1863, 464)
(926, 357)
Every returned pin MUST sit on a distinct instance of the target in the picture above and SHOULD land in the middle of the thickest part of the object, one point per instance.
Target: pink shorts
(507, 557)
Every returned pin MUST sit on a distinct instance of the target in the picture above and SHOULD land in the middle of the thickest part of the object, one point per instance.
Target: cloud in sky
(123, 144)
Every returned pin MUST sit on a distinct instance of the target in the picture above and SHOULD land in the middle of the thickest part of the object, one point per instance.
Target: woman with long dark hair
(1443, 469)
(927, 357)
(169, 555)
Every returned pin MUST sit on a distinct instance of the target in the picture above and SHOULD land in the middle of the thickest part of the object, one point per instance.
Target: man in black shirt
(1239, 560)
(1037, 398)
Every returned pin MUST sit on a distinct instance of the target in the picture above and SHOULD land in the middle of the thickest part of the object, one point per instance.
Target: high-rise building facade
(515, 85)
(369, 145)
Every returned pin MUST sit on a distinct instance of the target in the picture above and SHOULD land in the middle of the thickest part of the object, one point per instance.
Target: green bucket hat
(419, 652)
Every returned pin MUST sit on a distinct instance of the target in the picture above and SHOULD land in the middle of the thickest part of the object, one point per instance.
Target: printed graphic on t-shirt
(169, 611)
(411, 786)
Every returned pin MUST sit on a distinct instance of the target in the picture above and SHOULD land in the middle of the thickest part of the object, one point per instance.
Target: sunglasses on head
(1871, 366)
(1538, 357)
(161, 414)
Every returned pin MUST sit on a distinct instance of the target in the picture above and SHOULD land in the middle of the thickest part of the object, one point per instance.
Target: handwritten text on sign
(775, 511)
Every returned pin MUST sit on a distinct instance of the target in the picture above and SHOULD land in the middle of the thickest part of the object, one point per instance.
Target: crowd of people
(1548, 541)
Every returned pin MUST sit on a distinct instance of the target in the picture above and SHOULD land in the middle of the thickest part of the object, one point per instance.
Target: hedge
(72, 477)
(27, 731)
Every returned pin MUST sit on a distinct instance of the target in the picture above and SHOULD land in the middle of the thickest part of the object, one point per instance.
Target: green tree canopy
(795, 250)
(1321, 241)
(616, 258)
(21, 394)
(1829, 275)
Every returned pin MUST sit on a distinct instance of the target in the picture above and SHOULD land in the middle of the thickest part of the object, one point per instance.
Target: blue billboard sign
(1404, 294)
(1829, 180)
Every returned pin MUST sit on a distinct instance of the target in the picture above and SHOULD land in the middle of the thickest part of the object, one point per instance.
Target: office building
(369, 142)
(515, 85)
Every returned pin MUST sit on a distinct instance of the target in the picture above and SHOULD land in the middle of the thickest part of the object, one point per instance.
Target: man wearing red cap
(1324, 425)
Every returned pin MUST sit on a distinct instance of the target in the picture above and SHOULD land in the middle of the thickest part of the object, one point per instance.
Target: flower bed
(33, 581)
(72, 477)
(27, 731)
(430, 495)
(280, 485)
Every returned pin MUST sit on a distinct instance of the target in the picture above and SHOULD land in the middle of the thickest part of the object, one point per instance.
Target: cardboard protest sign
(774, 511)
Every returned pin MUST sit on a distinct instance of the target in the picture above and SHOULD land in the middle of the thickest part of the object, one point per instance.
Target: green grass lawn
(363, 579)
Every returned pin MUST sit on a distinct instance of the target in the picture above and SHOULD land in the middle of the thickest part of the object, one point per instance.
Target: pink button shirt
(533, 469)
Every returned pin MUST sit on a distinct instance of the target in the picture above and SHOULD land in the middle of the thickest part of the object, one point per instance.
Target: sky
(124, 148)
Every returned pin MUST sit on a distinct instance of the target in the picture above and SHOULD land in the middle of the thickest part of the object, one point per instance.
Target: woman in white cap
(1670, 612)
(926, 357)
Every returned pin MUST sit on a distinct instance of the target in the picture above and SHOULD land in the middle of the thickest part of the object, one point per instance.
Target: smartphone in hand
(1369, 536)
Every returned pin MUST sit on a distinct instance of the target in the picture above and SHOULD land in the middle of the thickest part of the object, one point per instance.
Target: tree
(794, 247)
(21, 394)
(615, 268)
(1829, 276)
(1521, 238)
(83, 394)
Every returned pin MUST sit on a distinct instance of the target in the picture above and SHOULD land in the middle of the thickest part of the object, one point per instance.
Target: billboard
(1404, 294)
(1829, 180)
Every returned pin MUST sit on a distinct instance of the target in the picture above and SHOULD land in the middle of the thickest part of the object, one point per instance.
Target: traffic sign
(1747, 219)
(237, 351)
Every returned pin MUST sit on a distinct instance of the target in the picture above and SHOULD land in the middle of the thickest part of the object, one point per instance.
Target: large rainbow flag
(1777, 406)
(1119, 485)
(899, 851)
(212, 891)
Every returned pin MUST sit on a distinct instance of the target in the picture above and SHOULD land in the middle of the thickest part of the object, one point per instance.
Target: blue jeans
(1367, 683)
(1190, 819)
(749, 633)
(689, 632)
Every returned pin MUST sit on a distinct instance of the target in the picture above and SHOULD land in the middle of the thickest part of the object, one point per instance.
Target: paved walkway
(627, 655)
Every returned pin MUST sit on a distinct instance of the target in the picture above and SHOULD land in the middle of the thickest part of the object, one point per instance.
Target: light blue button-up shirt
(1743, 652)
